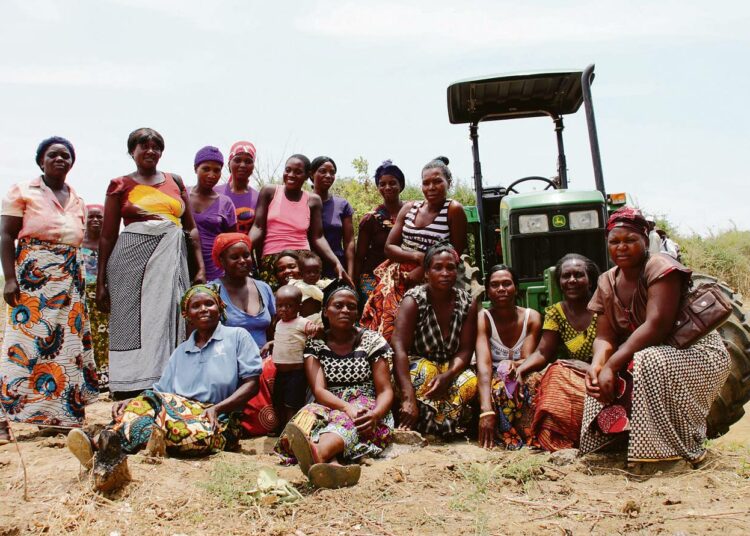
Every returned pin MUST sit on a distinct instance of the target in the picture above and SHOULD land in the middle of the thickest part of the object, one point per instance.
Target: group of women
(593, 370)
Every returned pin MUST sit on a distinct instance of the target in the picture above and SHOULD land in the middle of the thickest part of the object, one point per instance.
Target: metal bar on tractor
(562, 163)
(474, 135)
(586, 78)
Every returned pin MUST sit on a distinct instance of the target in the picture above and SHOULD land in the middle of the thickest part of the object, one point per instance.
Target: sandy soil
(454, 488)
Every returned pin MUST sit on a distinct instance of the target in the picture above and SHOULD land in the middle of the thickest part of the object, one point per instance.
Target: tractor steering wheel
(550, 184)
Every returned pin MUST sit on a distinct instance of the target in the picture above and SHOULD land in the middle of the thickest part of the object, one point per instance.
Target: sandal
(81, 447)
(333, 476)
(110, 463)
(301, 447)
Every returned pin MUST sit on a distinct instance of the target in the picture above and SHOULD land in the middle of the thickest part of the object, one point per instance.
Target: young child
(310, 284)
(286, 267)
(290, 387)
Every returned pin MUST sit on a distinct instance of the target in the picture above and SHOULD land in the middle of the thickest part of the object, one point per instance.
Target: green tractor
(530, 231)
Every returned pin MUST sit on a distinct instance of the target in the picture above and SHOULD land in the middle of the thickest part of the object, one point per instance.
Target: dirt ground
(454, 488)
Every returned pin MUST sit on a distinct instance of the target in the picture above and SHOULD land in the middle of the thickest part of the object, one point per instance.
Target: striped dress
(382, 306)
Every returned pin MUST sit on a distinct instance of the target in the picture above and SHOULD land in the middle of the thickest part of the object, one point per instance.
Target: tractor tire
(728, 408)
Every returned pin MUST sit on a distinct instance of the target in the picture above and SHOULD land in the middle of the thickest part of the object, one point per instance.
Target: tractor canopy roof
(550, 198)
(514, 96)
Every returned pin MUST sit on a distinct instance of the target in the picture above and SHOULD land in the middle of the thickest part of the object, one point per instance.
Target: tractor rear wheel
(728, 408)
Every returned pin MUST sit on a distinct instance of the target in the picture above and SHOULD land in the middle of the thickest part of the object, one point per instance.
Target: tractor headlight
(533, 223)
(583, 219)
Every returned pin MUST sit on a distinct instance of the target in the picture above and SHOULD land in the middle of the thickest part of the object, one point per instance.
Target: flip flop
(303, 450)
(333, 476)
(80, 445)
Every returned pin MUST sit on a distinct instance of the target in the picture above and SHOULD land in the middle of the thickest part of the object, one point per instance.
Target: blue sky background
(369, 78)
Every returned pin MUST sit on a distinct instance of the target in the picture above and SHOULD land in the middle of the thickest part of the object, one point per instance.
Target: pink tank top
(287, 223)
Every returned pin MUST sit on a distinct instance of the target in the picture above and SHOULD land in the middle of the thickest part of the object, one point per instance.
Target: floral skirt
(99, 322)
(185, 430)
(382, 306)
(47, 370)
(445, 417)
(259, 417)
(315, 420)
(515, 411)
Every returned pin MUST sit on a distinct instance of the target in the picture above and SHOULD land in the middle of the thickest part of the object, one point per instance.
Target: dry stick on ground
(556, 511)
(709, 516)
(12, 435)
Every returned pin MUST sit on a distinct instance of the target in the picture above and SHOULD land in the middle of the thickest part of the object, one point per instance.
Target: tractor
(530, 231)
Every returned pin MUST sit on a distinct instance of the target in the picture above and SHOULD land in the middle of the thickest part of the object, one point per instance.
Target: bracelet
(486, 414)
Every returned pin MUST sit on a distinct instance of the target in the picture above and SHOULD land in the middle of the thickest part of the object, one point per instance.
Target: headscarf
(210, 290)
(226, 240)
(334, 287)
(208, 153)
(629, 218)
(45, 144)
(389, 168)
(241, 147)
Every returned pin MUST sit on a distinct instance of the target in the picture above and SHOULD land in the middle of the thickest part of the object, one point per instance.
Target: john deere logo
(558, 220)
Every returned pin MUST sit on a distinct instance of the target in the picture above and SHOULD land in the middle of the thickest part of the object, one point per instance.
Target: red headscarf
(226, 240)
(629, 218)
(241, 147)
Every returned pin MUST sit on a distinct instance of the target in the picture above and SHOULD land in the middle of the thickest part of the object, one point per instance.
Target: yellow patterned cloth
(445, 417)
(578, 344)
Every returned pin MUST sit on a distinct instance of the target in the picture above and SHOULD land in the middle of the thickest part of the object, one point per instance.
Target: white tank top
(499, 351)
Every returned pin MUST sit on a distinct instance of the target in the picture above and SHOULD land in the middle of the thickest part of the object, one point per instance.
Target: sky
(349, 79)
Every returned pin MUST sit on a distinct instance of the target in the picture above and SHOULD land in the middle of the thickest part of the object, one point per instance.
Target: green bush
(724, 255)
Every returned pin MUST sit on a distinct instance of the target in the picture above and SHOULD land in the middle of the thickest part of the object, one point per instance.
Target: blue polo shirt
(212, 373)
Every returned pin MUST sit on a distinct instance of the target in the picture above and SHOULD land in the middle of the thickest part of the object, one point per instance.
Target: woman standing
(336, 214)
(568, 331)
(98, 320)
(213, 213)
(507, 334)
(375, 227)
(47, 370)
(241, 166)
(143, 272)
(636, 382)
(249, 305)
(347, 369)
(287, 217)
(419, 225)
(433, 343)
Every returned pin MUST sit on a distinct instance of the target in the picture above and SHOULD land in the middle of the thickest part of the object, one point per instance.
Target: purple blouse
(244, 205)
(335, 209)
(217, 218)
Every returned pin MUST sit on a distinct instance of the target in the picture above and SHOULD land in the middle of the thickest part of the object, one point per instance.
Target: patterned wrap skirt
(315, 420)
(446, 417)
(382, 306)
(185, 430)
(99, 322)
(558, 410)
(665, 412)
(515, 412)
(47, 369)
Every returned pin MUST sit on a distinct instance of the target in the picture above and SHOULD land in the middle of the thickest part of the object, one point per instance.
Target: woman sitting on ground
(506, 404)
(661, 395)
(190, 409)
(348, 371)
(250, 305)
(433, 342)
(419, 225)
(568, 331)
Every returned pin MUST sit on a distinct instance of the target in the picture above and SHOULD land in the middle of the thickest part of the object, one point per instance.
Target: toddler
(310, 284)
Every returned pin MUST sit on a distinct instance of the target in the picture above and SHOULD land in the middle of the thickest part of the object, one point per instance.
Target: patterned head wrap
(226, 240)
(210, 290)
(334, 287)
(45, 144)
(241, 147)
(389, 168)
(443, 246)
(629, 218)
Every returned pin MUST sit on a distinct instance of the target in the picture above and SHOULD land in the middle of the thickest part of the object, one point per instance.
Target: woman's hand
(267, 349)
(438, 388)
(607, 378)
(592, 381)
(118, 409)
(415, 277)
(212, 417)
(575, 364)
(409, 412)
(342, 274)
(11, 292)
(487, 425)
(200, 277)
(102, 298)
(366, 423)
